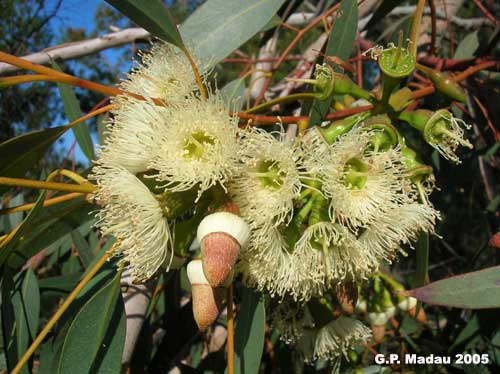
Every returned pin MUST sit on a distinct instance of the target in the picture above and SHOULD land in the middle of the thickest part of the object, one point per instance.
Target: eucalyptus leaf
(73, 112)
(7, 250)
(19, 154)
(467, 47)
(476, 290)
(9, 343)
(218, 27)
(26, 302)
(249, 333)
(83, 248)
(95, 339)
(340, 43)
(153, 16)
(233, 94)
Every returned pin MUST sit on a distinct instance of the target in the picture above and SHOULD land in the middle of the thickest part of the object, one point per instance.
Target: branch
(78, 49)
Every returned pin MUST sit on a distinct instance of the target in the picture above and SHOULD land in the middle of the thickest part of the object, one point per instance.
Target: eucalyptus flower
(269, 178)
(268, 265)
(398, 226)
(164, 73)
(196, 147)
(133, 215)
(331, 254)
(361, 183)
(131, 133)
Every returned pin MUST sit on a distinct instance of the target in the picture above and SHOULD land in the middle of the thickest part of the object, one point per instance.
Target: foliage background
(64, 245)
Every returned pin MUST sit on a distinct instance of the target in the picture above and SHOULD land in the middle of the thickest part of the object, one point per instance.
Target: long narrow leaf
(476, 290)
(153, 16)
(218, 27)
(340, 43)
(73, 112)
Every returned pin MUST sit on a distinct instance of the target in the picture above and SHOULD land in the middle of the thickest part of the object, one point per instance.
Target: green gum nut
(343, 85)
(324, 82)
(396, 62)
(444, 84)
(338, 128)
(438, 127)
(386, 137)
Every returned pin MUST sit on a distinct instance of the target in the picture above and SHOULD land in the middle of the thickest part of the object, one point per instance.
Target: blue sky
(75, 14)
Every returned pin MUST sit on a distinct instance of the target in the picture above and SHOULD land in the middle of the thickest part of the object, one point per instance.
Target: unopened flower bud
(206, 300)
(377, 322)
(444, 84)
(221, 235)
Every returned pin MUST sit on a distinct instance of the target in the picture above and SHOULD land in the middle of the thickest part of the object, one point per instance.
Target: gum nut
(347, 296)
(219, 252)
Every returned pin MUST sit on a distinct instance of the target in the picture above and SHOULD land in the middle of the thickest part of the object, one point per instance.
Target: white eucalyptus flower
(132, 214)
(360, 183)
(197, 147)
(330, 254)
(164, 73)
(131, 133)
(398, 226)
(269, 178)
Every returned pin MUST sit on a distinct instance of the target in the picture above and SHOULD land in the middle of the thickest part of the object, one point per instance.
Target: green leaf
(19, 154)
(26, 302)
(422, 259)
(95, 339)
(218, 27)
(467, 47)
(23, 229)
(73, 112)
(53, 224)
(153, 16)
(233, 94)
(249, 333)
(476, 290)
(340, 43)
(9, 344)
(83, 248)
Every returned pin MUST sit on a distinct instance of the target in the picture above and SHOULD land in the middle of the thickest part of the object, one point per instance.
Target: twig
(230, 331)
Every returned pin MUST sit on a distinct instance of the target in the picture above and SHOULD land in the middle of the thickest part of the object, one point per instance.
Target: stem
(67, 79)
(230, 331)
(57, 315)
(48, 202)
(42, 185)
(415, 27)
(281, 100)
(390, 83)
(196, 72)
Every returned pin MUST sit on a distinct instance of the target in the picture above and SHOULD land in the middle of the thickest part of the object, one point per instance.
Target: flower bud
(377, 322)
(444, 84)
(206, 300)
(221, 235)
